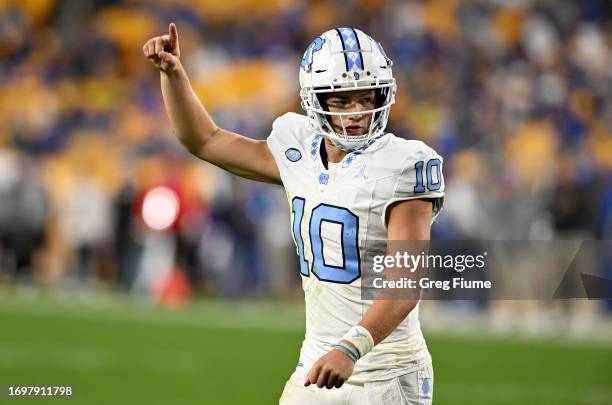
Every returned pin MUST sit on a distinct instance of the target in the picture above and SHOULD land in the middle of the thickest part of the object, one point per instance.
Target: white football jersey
(334, 212)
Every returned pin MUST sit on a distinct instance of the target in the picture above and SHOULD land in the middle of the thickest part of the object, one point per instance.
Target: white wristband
(361, 338)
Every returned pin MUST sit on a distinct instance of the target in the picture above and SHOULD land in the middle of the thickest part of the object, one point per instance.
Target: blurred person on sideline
(24, 209)
(88, 226)
(338, 167)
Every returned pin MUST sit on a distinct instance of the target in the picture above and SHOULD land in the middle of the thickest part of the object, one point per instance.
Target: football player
(347, 182)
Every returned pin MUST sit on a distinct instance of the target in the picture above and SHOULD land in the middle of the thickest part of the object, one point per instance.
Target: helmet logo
(316, 45)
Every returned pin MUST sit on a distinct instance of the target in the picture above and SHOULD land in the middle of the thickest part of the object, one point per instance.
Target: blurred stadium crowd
(516, 95)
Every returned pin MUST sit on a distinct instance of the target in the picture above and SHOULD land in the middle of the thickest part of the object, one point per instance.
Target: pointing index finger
(173, 36)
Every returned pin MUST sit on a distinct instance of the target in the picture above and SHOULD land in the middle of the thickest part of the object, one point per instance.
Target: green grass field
(121, 351)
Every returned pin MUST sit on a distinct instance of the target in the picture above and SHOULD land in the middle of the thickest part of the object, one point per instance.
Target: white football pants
(415, 388)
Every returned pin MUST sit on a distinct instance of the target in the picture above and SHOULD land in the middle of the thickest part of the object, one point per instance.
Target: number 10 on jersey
(350, 270)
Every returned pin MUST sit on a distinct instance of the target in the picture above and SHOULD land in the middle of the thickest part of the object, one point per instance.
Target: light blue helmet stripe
(352, 49)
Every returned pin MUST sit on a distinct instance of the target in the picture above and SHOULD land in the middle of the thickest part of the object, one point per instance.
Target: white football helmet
(346, 59)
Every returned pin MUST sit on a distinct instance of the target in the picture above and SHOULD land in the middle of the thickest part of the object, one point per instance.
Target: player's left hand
(331, 370)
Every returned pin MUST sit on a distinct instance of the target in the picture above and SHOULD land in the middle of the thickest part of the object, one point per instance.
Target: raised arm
(195, 128)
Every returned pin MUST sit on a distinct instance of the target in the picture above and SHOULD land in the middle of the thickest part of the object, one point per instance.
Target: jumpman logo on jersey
(361, 173)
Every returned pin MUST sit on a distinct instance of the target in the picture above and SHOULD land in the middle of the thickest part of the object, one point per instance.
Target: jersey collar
(315, 147)
(348, 159)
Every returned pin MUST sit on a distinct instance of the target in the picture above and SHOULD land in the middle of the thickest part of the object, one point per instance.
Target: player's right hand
(331, 370)
(164, 51)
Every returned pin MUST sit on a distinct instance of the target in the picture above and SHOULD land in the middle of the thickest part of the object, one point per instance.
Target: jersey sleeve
(275, 139)
(420, 178)
(284, 142)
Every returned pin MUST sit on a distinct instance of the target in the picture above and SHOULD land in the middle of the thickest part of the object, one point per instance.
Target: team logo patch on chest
(293, 154)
